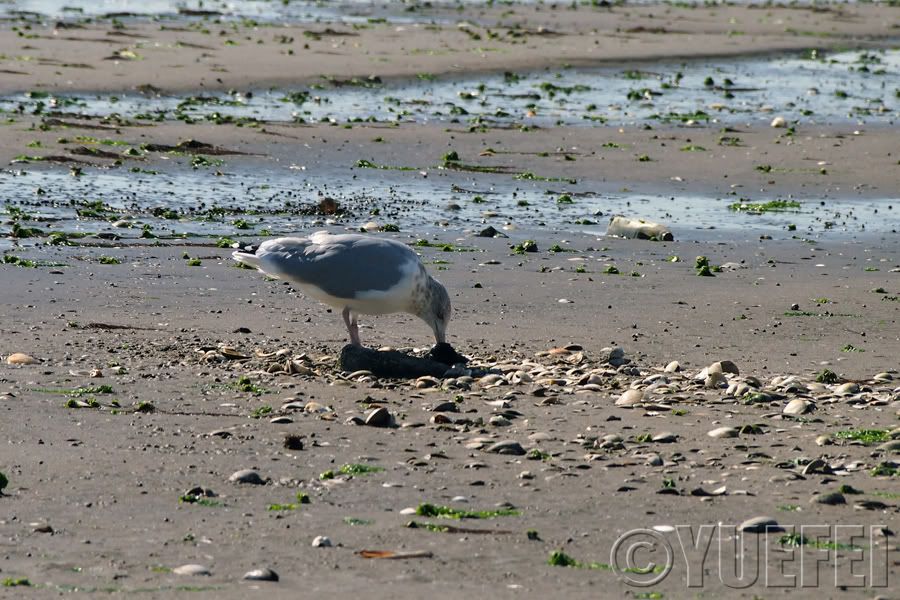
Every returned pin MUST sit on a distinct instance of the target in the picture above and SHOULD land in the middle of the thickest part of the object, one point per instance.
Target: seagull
(356, 274)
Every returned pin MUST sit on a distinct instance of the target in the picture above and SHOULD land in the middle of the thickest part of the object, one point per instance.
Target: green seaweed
(368, 164)
(764, 207)
(868, 437)
(359, 469)
(446, 512)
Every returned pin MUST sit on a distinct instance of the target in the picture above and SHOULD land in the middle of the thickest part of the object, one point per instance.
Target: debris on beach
(625, 227)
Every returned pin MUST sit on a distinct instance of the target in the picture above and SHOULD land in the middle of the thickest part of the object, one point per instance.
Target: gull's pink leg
(352, 327)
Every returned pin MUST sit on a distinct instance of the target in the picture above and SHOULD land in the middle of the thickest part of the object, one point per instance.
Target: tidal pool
(807, 88)
(262, 202)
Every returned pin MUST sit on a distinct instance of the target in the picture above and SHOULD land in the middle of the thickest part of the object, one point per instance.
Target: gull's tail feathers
(247, 259)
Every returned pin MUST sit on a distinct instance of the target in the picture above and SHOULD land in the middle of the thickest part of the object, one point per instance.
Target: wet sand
(200, 55)
(108, 479)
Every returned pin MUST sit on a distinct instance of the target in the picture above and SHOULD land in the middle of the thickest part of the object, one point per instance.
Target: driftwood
(394, 364)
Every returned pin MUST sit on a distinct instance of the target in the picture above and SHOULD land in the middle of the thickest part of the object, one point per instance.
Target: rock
(191, 570)
(779, 122)
(885, 376)
(261, 575)
(630, 398)
(621, 226)
(379, 417)
(723, 432)
(824, 440)
(829, 498)
(445, 407)
(489, 231)
(654, 460)
(798, 406)
(665, 437)
(247, 476)
(673, 367)
(20, 358)
(314, 408)
(506, 447)
(613, 356)
(321, 541)
(760, 525)
(499, 421)
(846, 389)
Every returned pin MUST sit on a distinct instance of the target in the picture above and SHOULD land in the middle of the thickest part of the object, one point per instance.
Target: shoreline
(186, 59)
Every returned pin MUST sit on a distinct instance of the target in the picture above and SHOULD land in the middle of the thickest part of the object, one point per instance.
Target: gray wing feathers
(343, 266)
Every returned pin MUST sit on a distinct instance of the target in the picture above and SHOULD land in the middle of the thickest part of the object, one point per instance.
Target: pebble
(723, 432)
(760, 525)
(673, 367)
(247, 476)
(654, 460)
(321, 541)
(265, 574)
(630, 398)
(315, 408)
(779, 122)
(823, 440)
(665, 437)
(20, 358)
(379, 417)
(445, 407)
(191, 570)
(798, 406)
(506, 447)
(499, 421)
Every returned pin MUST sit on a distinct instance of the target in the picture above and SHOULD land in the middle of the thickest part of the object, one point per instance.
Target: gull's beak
(440, 332)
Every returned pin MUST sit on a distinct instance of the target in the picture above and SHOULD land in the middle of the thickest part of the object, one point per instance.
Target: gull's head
(436, 310)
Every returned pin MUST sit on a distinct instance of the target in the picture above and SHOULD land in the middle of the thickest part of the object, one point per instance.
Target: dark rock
(389, 363)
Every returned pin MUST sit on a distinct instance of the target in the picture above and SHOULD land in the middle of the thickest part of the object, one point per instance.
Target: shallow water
(278, 201)
(278, 10)
(859, 86)
(261, 10)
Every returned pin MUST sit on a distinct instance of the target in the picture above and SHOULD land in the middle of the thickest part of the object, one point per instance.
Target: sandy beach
(158, 371)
